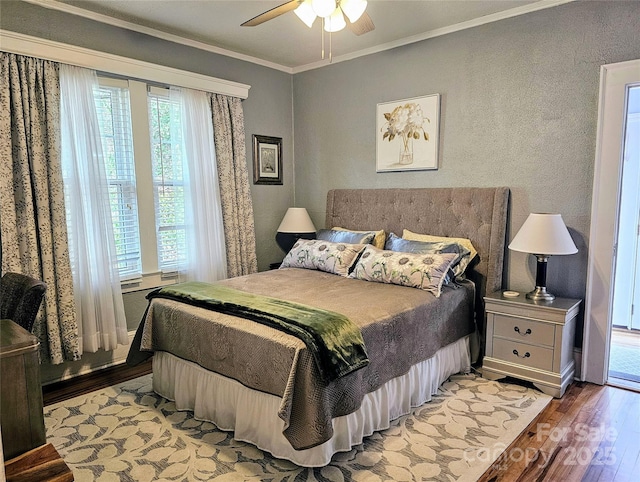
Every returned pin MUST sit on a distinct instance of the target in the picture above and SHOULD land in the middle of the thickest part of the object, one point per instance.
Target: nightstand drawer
(523, 330)
(523, 354)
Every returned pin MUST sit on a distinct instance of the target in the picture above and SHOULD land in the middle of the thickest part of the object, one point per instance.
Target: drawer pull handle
(517, 330)
(526, 355)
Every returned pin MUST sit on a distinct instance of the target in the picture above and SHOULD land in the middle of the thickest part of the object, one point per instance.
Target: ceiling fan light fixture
(353, 9)
(323, 8)
(335, 22)
(306, 13)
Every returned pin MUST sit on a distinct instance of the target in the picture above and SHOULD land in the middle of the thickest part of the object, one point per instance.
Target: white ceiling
(285, 42)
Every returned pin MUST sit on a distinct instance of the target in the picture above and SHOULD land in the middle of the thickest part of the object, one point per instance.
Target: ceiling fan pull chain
(322, 33)
(330, 48)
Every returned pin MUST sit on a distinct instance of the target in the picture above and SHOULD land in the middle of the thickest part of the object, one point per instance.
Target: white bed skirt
(253, 415)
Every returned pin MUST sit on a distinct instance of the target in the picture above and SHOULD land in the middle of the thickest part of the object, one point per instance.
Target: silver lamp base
(540, 294)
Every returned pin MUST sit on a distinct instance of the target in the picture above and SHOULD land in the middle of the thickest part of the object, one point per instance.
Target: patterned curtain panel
(233, 175)
(32, 210)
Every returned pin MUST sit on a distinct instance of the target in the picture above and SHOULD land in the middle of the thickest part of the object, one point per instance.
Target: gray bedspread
(401, 326)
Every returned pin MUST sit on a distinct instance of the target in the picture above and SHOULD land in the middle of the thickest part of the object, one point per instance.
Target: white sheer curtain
(206, 253)
(98, 297)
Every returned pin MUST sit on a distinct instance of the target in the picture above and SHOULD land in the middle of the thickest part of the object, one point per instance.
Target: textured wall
(518, 109)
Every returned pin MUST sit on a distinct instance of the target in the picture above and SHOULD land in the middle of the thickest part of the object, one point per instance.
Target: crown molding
(512, 12)
(116, 22)
(18, 43)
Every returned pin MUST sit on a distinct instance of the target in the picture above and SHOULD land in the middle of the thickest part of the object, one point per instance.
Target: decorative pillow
(406, 234)
(322, 255)
(350, 237)
(396, 243)
(378, 240)
(424, 271)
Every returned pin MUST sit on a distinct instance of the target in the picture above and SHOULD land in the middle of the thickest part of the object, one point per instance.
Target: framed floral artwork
(407, 133)
(267, 160)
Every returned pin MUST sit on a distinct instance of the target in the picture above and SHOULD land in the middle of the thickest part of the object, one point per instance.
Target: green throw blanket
(335, 342)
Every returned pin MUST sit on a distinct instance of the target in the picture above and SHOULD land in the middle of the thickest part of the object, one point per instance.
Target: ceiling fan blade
(273, 13)
(363, 25)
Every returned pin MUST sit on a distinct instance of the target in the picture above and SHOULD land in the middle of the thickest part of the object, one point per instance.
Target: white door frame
(604, 217)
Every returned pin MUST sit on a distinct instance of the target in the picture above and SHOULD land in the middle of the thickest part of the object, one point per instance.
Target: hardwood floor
(57, 392)
(592, 434)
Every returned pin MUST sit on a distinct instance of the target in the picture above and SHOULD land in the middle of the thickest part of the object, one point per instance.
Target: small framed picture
(267, 160)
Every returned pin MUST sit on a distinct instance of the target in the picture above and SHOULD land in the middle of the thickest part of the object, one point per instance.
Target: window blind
(114, 118)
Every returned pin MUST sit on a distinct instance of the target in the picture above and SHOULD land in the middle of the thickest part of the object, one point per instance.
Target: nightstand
(531, 341)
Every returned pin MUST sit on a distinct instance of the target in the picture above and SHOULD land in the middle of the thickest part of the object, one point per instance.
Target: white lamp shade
(353, 8)
(305, 13)
(323, 8)
(544, 234)
(335, 22)
(296, 220)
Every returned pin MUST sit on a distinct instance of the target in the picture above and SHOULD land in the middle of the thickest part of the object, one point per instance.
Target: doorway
(618, 82)
(624, 352)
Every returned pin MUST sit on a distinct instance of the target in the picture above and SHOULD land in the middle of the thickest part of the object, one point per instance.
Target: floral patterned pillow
(424, 271)
(322, 255)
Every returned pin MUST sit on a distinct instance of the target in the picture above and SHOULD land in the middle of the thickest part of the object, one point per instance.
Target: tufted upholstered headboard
(479, 214)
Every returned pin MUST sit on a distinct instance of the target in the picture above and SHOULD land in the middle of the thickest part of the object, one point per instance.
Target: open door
(626, 298)
(624, 351)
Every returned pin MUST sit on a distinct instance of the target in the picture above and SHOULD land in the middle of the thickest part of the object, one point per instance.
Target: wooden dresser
(21, 415)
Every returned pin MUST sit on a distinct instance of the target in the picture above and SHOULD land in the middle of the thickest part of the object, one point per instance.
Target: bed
(263, 384)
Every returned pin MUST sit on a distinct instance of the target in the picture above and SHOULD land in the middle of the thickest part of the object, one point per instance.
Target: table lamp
(543, 235)
(296, 224)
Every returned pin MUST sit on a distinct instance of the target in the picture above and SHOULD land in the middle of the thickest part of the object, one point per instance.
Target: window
(112, 105)
(140, 132)
(168, 180)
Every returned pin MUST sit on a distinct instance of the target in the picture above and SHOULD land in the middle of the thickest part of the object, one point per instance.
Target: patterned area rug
(127, 432)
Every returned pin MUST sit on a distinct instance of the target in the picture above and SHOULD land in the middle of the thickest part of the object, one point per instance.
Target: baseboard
(89, 362)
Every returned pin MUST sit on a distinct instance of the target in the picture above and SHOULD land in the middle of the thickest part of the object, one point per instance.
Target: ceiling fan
(332, 13)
